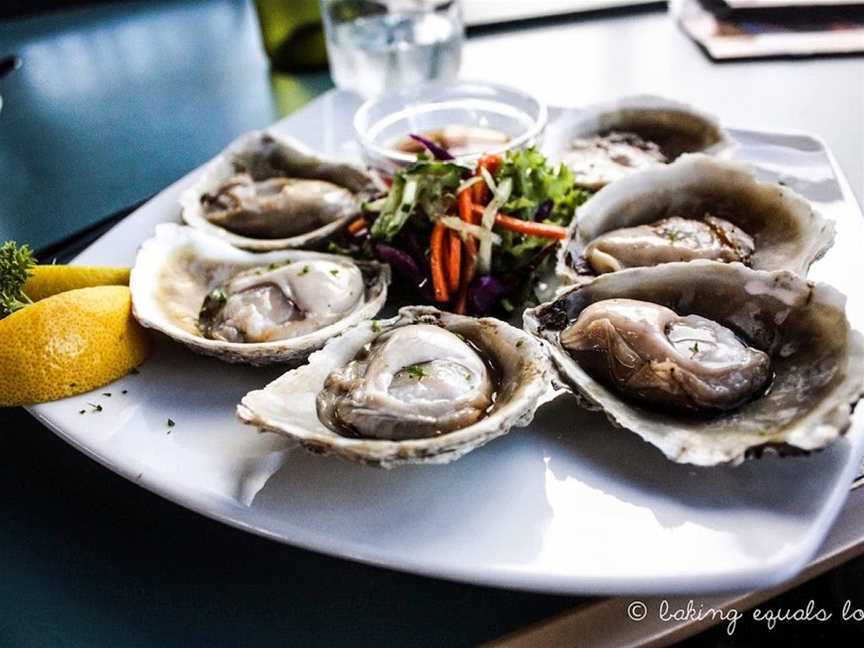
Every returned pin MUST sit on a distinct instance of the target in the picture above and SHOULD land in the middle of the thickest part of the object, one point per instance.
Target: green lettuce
(426, 189)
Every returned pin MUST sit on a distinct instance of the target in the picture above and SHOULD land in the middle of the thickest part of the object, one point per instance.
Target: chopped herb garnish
(335, 248)
(376, 327)
(81, 411)
(416, 371)
(334, 272)
(125, 391)
(170, 423)
(468, 377)
(108, 394)
(519, 343)
(673, 235)
(95, 407)
(304, 271)
(694, 349)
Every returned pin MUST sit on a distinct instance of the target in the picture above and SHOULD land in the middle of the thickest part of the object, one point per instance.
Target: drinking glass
(378, 45)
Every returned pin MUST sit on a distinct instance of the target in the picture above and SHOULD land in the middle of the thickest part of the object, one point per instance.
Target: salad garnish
(437, 151)
(472, 240)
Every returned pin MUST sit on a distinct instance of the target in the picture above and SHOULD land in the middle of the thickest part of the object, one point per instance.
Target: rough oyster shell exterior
(788, 233)
(246, 152)
(640, 113)
(818, 359)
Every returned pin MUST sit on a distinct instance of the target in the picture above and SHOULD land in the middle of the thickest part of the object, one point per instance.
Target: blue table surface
(112, 104)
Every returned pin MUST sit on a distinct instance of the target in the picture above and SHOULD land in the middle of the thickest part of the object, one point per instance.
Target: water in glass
(394, 44)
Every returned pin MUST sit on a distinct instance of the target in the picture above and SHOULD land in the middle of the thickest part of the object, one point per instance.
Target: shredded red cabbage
(438, 152)
(405, 266)
(543, 210)
(486, 291)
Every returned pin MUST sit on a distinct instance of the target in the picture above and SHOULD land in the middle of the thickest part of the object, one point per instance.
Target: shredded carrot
(461, 301)
(530, 228)
(491, 163)
(469, 259)
(465, 204)
(479, 191)
(454, 260)
(436, 261)
(543, 230)
(469, 268)
(357, 226)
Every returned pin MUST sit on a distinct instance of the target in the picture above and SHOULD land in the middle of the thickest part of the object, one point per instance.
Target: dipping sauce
(457, 139)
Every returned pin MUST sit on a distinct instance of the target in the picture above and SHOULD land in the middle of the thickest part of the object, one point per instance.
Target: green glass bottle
(293, 34)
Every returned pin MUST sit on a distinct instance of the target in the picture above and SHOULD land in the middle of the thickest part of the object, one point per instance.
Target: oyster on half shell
(606, 142)
(714, 362)
(423, 387)
(649, 353)
(267, 192)
(697, 207)
(245, 307)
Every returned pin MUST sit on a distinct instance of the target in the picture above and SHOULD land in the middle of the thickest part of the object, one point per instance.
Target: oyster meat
(711, 362)
(274, 303)
(277, 207)
(599, 159)
(416, 381)
(652, 354)
(267, 192)
(667, 240)
(423, 387)
(606, 142)
(698, 207)
(245, 307)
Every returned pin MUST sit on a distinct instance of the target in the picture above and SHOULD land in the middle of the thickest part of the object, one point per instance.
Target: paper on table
(724, 35)
(766, 4)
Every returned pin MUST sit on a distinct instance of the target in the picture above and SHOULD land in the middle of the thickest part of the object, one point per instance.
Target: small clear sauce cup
(382, 122)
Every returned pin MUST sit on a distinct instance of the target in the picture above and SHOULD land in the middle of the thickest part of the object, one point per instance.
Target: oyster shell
(246, 307)
(817, 359)
(435, 395)
(267, 192)
(609, 141)
(765, 225)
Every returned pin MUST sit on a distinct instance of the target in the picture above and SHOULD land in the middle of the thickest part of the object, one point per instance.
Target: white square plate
(567, 505)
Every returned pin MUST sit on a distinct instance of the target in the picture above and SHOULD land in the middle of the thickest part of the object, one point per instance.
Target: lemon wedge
(69, 343)
(47, 280)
